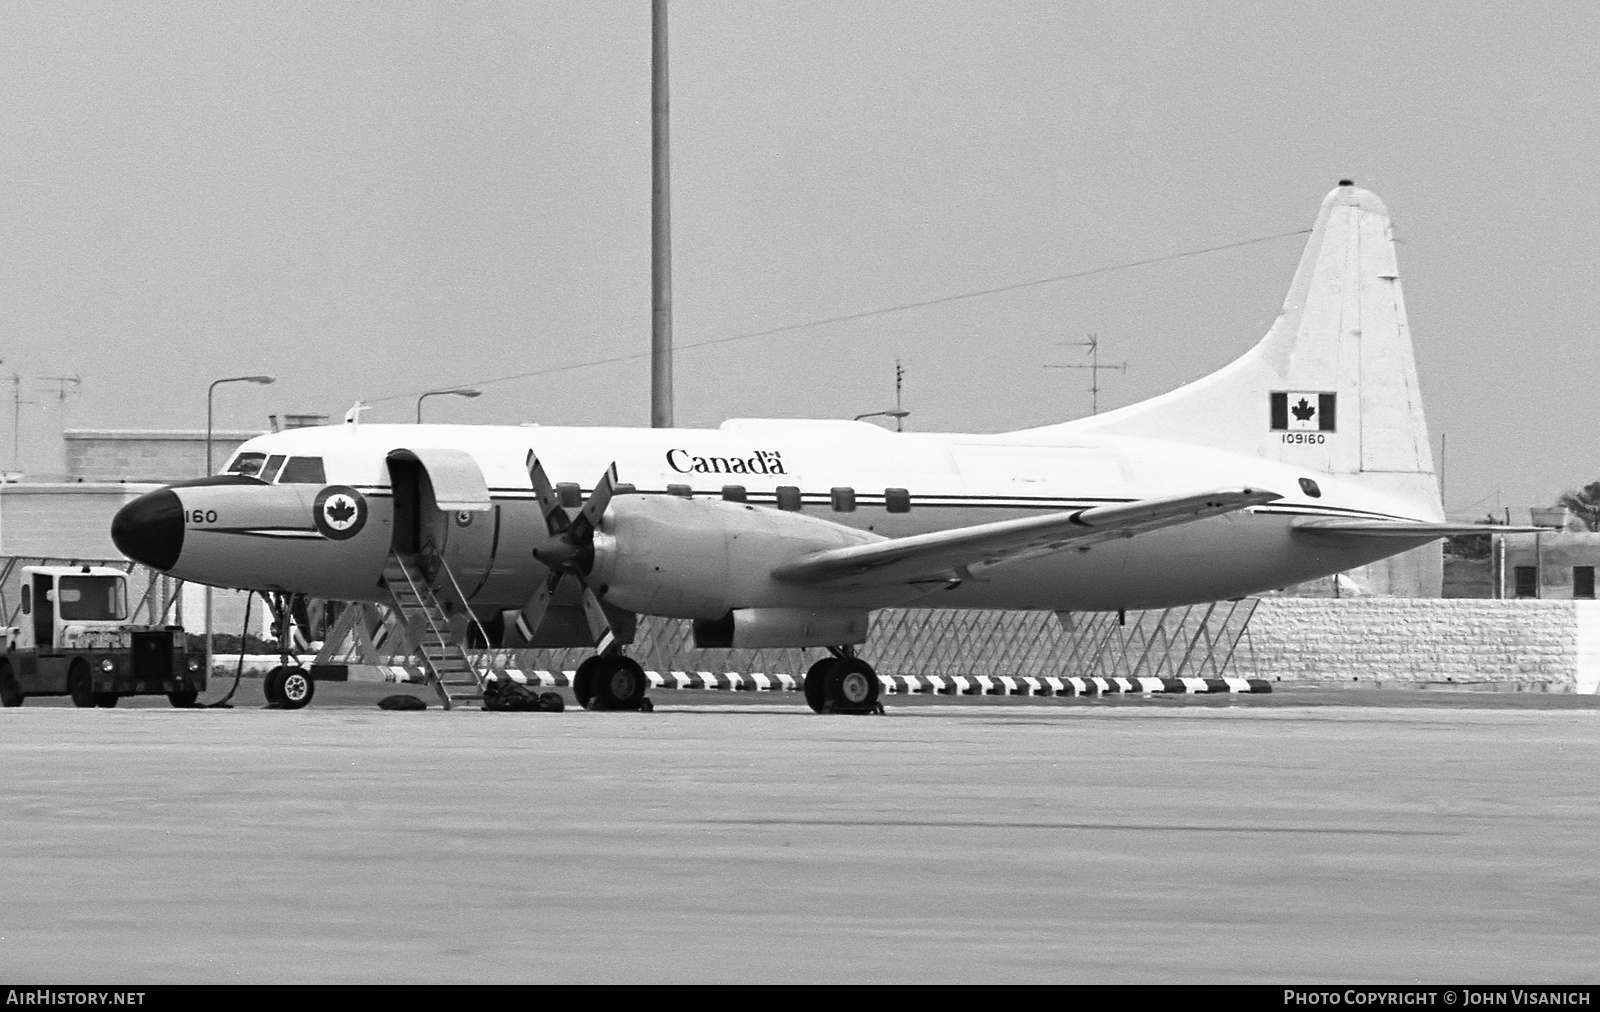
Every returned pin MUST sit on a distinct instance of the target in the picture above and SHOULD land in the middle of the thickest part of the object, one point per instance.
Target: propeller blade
(525, 623)
(555, 518)
(605, 639)
(599, 499)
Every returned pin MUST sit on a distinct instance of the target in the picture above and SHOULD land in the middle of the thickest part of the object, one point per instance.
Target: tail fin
(1333, 385)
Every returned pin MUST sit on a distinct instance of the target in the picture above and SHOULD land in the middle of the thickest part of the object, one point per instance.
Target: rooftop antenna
(16, 419)
(1094, 367)
(660, 227)
(63, 383)
(899, 414)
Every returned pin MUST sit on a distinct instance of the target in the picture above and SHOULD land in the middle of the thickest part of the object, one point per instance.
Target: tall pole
(210, 401)
(660, 228)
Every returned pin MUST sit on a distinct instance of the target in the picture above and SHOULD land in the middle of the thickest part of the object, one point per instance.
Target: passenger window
(733, 493)
(897, 500)
(569, 494)
(269, 471)
(625, 488)
(682, 491)
(302, 471)
(789, 497)
(248, 464)
(844, 499)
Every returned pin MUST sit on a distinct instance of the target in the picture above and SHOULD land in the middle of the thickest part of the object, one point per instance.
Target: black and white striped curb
(943, 685)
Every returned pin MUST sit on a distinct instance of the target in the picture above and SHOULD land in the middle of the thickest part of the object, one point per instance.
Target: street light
(210, 391)
(898, 414)
(453, 391)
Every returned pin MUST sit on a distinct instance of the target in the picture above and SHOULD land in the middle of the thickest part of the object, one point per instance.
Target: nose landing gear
(843, 683)
(287, 686)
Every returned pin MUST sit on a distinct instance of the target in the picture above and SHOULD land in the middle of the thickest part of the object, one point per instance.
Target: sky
(372, 200)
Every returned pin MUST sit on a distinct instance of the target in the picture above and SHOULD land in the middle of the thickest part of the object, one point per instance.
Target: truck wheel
(10, 691)
(106, 700)
(80, 684)
(183, 700)
(297, 688)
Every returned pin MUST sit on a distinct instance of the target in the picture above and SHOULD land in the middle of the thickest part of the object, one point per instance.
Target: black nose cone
(150, 529)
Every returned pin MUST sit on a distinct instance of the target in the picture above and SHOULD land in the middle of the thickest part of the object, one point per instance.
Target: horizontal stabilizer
(1406, 528)
(947, 555)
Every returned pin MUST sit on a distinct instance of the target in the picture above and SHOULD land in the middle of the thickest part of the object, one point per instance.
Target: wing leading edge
(945, 556)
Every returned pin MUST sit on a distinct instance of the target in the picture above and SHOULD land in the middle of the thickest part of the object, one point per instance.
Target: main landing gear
(611, 682)
(843, 683)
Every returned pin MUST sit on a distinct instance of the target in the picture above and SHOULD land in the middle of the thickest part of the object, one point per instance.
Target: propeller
(568, 550)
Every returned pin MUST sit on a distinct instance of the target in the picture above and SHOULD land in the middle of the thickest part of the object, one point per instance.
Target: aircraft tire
(620, 684)
(852, 686)
(80, 684)
(297, 688)
(816, 684)
(272, 685)
(583, 683)
(183, 700)
(10, 691)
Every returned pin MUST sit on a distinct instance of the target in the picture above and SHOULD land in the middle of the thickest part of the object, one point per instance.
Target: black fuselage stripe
(1052, 504)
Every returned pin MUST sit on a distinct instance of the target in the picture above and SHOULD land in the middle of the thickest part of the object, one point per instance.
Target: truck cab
(72, 636)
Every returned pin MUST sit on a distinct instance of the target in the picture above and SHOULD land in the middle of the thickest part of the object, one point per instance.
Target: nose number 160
(201, 516)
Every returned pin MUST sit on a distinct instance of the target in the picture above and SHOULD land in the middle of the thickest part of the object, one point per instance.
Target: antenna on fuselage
(353, 416)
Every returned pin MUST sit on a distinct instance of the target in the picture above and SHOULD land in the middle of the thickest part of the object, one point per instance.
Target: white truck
(74, 638)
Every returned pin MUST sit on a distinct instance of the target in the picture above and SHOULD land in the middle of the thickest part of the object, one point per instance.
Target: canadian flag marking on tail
(1303, 411)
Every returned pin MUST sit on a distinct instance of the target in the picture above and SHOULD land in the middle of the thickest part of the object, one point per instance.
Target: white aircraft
(1305, 457)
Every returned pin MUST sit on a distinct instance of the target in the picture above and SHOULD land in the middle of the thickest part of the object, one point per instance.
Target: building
(1554, 564)
(160, 456)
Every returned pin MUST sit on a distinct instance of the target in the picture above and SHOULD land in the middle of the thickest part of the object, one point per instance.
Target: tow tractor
(74, 638)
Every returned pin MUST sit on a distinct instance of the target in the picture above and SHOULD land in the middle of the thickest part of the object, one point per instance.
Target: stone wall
(1527, 644)
(152, 455)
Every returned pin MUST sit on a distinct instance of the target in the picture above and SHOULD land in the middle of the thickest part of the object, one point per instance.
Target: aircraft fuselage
(289, 535)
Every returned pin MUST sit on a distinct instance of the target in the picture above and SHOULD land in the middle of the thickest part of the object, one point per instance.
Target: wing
(947, 555)
(1405, 528)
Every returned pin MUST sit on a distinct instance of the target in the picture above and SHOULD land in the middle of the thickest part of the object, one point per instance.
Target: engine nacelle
(702, 558)
(755, 628)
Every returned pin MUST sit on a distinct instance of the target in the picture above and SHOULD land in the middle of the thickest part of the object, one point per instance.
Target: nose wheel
(844, 684)
(288, 687)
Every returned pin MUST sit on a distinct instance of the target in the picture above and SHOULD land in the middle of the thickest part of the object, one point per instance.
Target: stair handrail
(427, 613)
(472, 619)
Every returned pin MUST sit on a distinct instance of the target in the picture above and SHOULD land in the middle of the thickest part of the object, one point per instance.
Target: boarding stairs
(444, 660)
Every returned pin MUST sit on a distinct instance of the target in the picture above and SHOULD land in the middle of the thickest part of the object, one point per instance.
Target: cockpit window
(302, 471)
(248, 464)
(269, 470)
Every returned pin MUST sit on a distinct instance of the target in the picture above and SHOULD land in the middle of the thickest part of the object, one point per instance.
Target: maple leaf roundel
(339, 512)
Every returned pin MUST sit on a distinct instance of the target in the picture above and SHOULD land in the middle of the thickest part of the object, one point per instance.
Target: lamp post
(210, 391)
(210, 398)
(453, 392)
